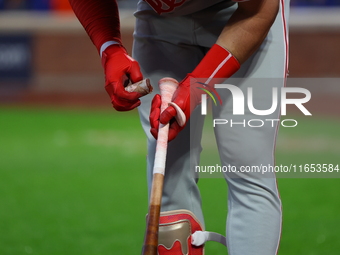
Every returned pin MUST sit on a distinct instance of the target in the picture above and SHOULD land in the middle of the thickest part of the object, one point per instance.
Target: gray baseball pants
(172, 47)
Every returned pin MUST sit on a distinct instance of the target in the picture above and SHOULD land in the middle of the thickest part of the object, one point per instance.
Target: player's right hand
(120, 68)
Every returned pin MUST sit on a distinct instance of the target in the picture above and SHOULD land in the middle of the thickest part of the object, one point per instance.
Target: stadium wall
(66, 67)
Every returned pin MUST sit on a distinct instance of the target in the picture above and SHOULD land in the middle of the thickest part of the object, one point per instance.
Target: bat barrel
(151, 234)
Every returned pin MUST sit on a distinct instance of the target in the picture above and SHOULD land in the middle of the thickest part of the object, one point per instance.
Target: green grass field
(73, 182)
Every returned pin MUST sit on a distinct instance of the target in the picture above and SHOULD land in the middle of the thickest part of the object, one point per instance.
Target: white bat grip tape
(167, 87)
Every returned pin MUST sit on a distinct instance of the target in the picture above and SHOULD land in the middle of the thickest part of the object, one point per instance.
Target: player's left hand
(185, 99)
(217, 63)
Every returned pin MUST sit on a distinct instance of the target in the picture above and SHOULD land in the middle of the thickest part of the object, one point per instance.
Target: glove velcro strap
(110, 51)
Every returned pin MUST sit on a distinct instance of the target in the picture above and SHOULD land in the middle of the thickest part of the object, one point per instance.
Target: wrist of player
(110, 50)
(217, 65)
(106, 45)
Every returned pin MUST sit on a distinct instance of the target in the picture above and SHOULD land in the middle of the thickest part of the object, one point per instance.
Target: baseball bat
(143, 87)
(167, 88)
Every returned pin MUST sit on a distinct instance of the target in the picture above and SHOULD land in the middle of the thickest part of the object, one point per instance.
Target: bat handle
(167, 87)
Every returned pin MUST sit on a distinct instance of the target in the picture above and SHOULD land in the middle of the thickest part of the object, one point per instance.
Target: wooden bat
(167, 87)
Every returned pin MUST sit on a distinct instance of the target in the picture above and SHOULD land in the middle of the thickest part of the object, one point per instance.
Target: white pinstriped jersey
(178, 7)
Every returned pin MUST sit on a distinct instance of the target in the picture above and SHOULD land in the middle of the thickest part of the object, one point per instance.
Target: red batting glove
(218, 63)
(182, 100)
(119, 69)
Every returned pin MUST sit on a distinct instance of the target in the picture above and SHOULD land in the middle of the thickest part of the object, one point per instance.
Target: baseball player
(189, 40)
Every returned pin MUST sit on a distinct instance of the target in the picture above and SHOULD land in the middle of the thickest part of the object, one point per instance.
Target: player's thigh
(248, 138)
(253, 141)
(164, 48)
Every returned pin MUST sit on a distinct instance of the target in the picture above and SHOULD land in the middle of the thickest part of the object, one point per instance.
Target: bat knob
(167, 87)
